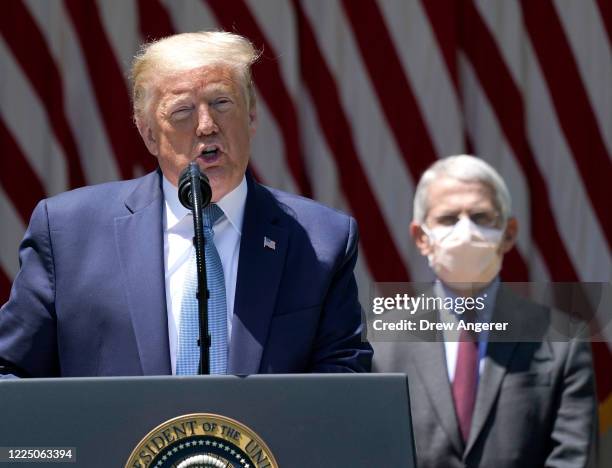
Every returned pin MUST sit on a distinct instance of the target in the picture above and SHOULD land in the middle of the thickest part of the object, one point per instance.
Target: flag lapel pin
(269, 243)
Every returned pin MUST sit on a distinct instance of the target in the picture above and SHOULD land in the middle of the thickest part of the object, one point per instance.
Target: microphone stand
(199, 242)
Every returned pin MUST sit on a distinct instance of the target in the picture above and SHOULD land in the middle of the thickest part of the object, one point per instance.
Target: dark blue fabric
(89, 298)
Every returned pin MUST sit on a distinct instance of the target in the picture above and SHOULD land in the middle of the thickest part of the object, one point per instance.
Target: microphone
(195, 194)
(193, 173)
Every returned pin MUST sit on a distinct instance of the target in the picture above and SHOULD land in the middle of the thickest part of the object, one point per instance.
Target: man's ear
(510, 235)
(148, 137)
(421, 240)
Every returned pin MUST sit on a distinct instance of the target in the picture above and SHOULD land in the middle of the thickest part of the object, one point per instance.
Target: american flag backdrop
(355, 99)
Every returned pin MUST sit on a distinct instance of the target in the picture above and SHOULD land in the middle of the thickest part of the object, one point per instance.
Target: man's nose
(206, 122)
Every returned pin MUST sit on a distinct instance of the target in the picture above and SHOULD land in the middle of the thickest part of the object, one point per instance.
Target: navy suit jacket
(89, 299)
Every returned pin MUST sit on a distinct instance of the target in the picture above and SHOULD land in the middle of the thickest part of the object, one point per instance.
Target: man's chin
(221, 185)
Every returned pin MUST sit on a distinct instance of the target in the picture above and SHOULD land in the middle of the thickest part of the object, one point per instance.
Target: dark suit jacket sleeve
(575, 426)
(27, 321)
(339, 347)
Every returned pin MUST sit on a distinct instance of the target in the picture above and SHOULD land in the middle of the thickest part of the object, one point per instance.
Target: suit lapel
(495, 366)
(259, 274)
(139, 240)
(430, 361)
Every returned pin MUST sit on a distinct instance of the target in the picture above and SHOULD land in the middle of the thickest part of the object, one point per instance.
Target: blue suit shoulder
(300, 207)
(321, 223)
(96, 203)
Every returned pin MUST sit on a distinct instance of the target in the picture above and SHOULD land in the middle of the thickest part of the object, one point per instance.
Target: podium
(306, 421)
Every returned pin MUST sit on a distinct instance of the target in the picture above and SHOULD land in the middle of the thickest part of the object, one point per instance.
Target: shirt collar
(175, 211)
(231, 204)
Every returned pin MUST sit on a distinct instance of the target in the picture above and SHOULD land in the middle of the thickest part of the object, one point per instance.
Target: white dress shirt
(178, 248)
(451, 343)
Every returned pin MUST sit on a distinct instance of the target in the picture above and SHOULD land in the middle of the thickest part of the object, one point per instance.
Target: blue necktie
(188, 351)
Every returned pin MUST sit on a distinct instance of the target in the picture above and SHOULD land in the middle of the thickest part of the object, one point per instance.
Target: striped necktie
(188, 351)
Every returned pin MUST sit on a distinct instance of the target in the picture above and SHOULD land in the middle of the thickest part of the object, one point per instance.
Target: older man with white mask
(502, 399)
(462, 222)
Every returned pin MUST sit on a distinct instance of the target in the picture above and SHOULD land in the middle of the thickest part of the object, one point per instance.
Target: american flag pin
(269, 243)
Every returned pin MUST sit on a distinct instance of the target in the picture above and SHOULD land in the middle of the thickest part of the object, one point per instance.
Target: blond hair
(187, 51)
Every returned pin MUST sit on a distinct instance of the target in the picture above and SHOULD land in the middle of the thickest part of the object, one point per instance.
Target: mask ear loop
(431, 240)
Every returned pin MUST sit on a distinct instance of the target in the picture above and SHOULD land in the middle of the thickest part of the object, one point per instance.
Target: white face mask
(464, 253)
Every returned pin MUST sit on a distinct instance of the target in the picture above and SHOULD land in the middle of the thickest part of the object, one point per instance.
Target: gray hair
(187, 51)
(467, 169)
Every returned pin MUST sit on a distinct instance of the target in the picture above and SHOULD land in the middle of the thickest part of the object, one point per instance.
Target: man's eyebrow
(470, 211)
(178, 92)
(448, 212)
(171, 101)
(168, 102)
(220, 88)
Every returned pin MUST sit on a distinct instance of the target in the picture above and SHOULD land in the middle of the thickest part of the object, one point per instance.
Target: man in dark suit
(522, 396)
(103, 284)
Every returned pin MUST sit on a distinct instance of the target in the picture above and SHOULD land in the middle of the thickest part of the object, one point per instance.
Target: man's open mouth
(210, 154)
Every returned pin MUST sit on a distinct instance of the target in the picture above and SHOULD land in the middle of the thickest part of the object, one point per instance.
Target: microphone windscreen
(190, 173)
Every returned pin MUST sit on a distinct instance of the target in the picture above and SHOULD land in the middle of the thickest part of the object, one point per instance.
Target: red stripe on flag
(235, 16)
(443, 19)
(514, 267)
(394, 92)
(572, 105)
(383, 259)
(154, 20)
(30, 49)
(601, 364)
(507, 103)
(17, 178)
(110, 88)
(469, 144)
(5, 287)
(605, 9)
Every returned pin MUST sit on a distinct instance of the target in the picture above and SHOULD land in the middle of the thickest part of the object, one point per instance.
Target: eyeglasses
(481, 218)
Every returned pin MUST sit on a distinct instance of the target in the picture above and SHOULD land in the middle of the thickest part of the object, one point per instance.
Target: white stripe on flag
(375, 145)
(26, 119)
(592, 51)
(577, 224)
(427, 73)
(81, 107)
(11, 234)
(120, 22)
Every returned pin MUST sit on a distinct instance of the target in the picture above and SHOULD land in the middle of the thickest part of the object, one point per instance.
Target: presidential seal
(201, 441)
